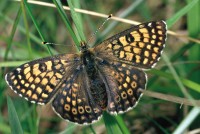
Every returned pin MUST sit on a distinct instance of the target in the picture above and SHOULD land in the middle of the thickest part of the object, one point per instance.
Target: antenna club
(110, 16)
(44, 42)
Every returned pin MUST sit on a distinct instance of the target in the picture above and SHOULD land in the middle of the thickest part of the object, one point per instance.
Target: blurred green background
(177, 73)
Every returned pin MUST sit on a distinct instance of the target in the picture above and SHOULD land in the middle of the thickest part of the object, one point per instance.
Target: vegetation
(172, 101)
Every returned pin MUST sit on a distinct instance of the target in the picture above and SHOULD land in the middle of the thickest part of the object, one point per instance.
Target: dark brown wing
(140, 45)
(37, 81)
(124, 85)
(75, 102)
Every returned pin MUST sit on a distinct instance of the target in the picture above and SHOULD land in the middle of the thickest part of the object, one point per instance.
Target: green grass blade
(122, 125)
(76, 20)
(27, 30)
(180, 13)
(125, 13)
(193, 19)
(15, 125)
(111, 124)
(12, 34)
(66, 22)
(188, 83)
(36, 24)
(193, 114)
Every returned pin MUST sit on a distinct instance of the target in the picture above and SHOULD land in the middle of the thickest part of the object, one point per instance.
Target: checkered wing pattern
(75, 102)
(140, 46)
(125, 85)
(37, 81)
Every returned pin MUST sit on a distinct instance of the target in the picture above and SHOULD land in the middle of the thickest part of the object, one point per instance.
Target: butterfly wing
(140, 45)
(37, 81)
(75, 102)
(125, 85)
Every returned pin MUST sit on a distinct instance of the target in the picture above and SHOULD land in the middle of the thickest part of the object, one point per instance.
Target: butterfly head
(83, 46)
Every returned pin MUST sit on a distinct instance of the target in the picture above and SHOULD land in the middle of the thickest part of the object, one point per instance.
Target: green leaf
(180, 13)
(111, 124)
(15, 125)
(76, 20)
(66, 22)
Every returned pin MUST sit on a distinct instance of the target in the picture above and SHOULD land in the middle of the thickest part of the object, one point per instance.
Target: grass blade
(77, 21)
(15, 125)
(66, 22)
(180, 13)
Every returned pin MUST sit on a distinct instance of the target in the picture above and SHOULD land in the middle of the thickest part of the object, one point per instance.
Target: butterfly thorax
(97, 86)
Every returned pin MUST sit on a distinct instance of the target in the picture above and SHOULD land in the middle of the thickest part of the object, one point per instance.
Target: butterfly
(108, 77)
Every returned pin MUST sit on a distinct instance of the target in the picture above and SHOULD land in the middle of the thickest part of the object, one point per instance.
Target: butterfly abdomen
(97, 86)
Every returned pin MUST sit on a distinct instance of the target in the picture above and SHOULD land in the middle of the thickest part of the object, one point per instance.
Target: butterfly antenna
(50, 43)
(92, 36)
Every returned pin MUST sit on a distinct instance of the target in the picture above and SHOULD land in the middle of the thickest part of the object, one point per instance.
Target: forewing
(125, 85)
(37, 81)
(74, 102)
(140, 45)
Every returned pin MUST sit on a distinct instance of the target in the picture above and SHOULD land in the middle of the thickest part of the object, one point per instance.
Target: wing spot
(129, 56)
(137, 50)
(154, 36)
(127, 48)
(34, 97)
(153, 30)
(29, 93)
(39, 90)
(128, 79)
(50, 74)
(133, 84)
(145, 61)
(23, 91)
(49, 89)
(67, 107)
(20, 77)
(137, 58)
(74, 111)
(130, 91)
(33, 86)
(125, 85)
(152, 41)
(143, 30)
(12, 77)
(62, 101)
(116, 47)
(135, 77)
(160, 32)
(30, 79)
(26, 70)
(149, 47)
(158, 27)
(154, 55)
(44, 81)
(124, 95)
(58, 75)
(121, 55)
(22, 81)
(146, 53)
(68, 99)
(15, 82)
(156, 49)
(88, 109)
(146, 39)
(141, 44)
(44, 95)
(28, 75)
(161, 38)
(26, 85)
(123, 40)
(80, 109)
(74, 103)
